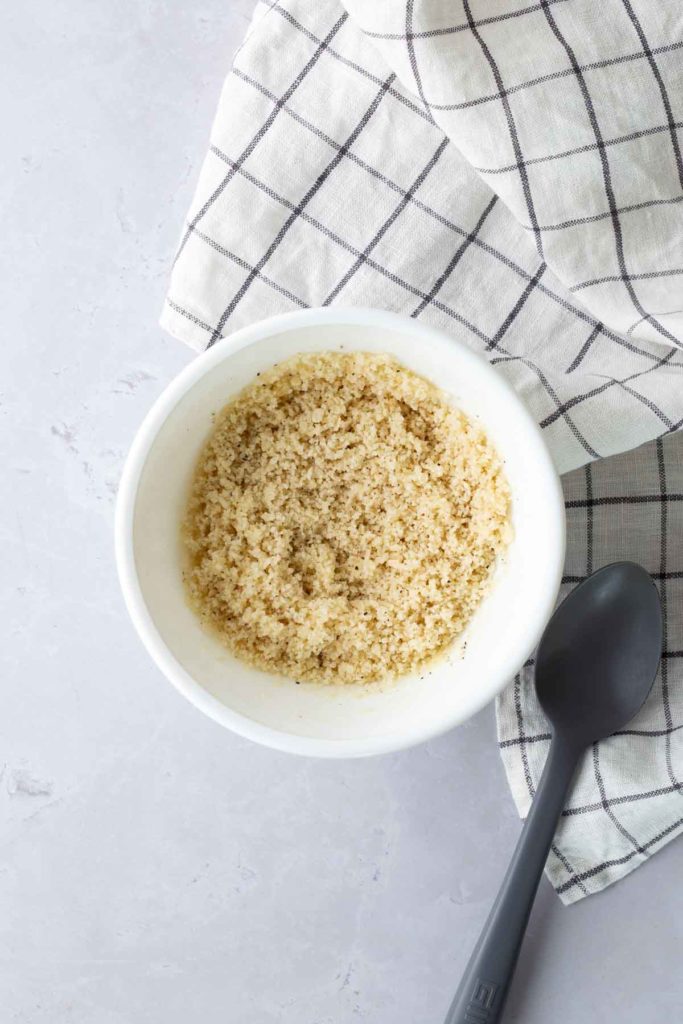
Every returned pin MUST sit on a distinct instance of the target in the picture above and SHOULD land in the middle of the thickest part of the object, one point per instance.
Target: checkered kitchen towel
(510, 172)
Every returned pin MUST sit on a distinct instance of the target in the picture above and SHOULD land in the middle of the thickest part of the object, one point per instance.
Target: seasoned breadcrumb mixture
(344, 520)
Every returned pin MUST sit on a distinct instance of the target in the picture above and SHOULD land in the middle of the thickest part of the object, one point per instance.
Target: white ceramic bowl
(335, 721)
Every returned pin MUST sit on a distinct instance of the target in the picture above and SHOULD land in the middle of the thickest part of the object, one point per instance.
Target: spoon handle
(484, 987)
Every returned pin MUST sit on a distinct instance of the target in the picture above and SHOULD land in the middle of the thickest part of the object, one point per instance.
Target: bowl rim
(548, 583)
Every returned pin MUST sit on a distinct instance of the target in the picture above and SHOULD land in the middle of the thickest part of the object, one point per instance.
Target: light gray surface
(152, 866)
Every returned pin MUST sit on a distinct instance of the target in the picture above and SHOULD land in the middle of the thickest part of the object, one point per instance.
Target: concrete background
(152, 866)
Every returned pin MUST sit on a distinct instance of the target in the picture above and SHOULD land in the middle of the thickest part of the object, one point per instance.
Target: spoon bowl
(598, 656)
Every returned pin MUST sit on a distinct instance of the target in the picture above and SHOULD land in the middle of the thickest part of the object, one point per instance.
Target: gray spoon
(595, 666)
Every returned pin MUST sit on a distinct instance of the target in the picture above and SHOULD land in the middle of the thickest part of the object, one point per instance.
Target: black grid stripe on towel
(341, 171)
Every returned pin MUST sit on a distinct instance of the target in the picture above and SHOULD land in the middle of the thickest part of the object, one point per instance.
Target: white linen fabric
(512, 173)
(627, 800)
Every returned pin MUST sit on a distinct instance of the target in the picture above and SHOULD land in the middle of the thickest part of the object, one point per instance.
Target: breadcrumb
(344, 520)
